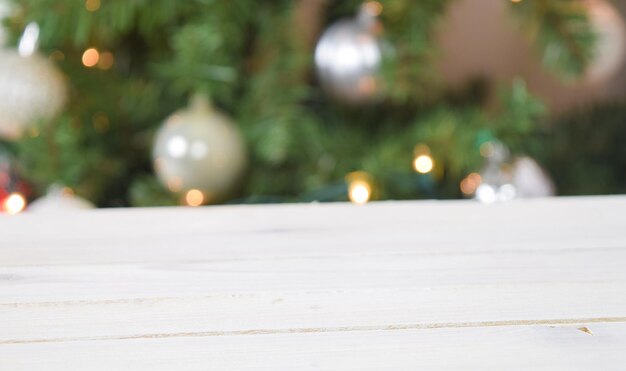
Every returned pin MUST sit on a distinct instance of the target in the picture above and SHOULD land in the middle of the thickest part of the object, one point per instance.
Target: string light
(359, 187)
(14, 203)
(359, 192)
(194, 197)
(470, 183)
(422, 162)
(91, 57)
(92, 5)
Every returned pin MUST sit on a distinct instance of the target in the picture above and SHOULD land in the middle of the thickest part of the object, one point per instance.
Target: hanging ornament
(611, 40)
(59, 199)
(530, 180)
(349, 56)
(200, 152)
(31, 88)
(504, 180)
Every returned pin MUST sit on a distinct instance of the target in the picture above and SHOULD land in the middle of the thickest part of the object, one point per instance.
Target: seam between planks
(306, 330)
(326, 256)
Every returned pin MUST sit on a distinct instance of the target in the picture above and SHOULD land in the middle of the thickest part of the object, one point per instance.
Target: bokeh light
(91, 57)
(359, 192)
(423, 164)
(194, 197)
(14, 203)
(92, 5)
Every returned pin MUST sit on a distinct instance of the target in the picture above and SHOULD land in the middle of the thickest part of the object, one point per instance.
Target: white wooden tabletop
(537, 284)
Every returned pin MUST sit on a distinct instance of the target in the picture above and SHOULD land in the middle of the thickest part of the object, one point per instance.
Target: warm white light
(486, 194)
(92, 5)
(359, 192)
(91, 57)
(470, 183)
(507, 192)
(14, 203)
(194, 197)
(423, 164)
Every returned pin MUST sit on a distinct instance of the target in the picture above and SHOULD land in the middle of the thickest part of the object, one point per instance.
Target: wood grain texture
(435, 285)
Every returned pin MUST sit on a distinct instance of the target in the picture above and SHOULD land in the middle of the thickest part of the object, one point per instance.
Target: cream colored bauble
(31, 89)
(199, 150)
(59, 199)
(610, 50)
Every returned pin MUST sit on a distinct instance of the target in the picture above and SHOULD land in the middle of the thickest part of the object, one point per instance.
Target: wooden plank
(274, 231)
(68, 301)
(595, 347)
(234, 283)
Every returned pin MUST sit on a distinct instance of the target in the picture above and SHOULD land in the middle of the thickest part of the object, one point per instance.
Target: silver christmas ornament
(504, 180)
(31, 88)
(199, 151)
(349, 56)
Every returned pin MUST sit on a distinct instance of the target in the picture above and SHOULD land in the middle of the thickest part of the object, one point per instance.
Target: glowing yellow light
(92, 5)
(106, 61)
(14, 203)
(374, 8)
(359, 192)
(470, 184)
(516, 1)
(194, 197)
(91, 57)
(423, 164)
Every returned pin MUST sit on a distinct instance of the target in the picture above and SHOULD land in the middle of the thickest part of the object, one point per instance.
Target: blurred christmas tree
(375, 121)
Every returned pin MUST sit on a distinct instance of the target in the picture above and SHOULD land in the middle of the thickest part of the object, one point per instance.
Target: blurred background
(115, 103)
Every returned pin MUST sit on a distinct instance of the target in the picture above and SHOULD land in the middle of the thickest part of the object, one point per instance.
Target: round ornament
(31, 88)
(504, 180)
(59, 199)
(199, 151)
(349, 57)
(611, 40)
(530, 179)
